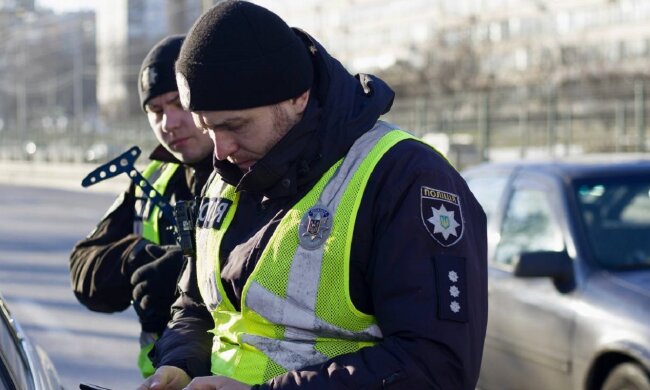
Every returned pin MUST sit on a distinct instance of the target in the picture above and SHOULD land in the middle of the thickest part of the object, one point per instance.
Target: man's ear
(300, 102)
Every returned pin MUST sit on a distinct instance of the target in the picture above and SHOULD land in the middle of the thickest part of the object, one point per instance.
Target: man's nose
(171, 120)
(224, 144)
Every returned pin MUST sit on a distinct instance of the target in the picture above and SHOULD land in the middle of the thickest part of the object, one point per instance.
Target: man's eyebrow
(151, 106)
(228, 122)
(173, 99)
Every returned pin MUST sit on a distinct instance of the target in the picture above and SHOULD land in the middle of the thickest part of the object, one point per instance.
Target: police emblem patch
(149, 77)
(315, 227)
(442, 215)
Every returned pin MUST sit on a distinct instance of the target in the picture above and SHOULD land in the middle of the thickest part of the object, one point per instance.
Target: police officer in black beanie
(131, 255)
(333, 249)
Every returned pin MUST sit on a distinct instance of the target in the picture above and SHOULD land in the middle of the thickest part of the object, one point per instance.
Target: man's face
(243, 137)
(175, 129)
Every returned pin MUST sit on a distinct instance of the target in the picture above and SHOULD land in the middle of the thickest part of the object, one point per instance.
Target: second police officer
(131, 255)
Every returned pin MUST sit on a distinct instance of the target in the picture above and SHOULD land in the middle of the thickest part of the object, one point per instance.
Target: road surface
(38, 227)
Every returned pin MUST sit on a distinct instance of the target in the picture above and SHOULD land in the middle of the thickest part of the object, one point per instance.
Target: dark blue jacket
(418, 260)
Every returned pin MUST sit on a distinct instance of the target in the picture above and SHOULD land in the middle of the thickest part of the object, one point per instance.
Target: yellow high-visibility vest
(147, 214)
(296, 308)
(145, 224)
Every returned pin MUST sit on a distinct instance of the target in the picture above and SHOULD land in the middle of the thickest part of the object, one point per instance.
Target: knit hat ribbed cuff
(239, 55)
(244, 84)
(156, 75)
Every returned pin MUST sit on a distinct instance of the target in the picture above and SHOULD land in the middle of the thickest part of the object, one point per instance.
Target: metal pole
(77, 88)
(568, 140)
(619, 135)
(177, 15)
(523, 133)
(639, 114)
(21, 95)
(484, 125)
(551, 118)
(421, 108)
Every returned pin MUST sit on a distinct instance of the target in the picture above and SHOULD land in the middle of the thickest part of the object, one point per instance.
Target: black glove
(154, 281)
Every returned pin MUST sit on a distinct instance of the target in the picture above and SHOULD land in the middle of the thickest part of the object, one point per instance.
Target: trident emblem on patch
(315, 227)
(444, 221)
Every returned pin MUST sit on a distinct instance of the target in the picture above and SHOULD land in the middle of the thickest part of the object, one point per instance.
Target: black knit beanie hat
(157, 70)
(239, 55)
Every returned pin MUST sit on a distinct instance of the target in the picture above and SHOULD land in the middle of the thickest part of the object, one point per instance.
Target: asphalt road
(38, 227)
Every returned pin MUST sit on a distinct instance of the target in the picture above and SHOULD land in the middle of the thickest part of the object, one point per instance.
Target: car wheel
(627, 376)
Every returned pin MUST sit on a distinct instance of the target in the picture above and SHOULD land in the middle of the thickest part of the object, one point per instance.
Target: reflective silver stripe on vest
(297, 311)
(143, 205)
(207, 277)
(291, 355)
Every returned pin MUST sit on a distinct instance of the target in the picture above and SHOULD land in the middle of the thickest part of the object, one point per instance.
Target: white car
(568, 274)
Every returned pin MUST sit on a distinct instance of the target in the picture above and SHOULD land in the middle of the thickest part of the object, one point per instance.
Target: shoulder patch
(441, 215)
(451, 287)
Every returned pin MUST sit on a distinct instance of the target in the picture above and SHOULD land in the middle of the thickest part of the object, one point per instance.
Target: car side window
(528, 226)
(616, 213)
(638, 208)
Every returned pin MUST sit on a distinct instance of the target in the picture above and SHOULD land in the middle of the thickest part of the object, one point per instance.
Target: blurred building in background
(560, 76)
(16, 5)
(126, 30)
(478, 44)
(486, 78)
(47, 83)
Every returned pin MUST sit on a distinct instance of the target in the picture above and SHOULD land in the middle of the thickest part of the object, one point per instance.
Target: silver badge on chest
(315, 227)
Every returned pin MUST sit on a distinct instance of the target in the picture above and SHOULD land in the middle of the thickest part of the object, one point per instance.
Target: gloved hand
(154, 280)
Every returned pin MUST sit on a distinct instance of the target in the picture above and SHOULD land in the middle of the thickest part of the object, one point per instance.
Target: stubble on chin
(282, 123)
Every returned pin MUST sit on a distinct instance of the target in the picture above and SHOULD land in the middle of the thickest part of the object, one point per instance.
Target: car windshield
(616, 213)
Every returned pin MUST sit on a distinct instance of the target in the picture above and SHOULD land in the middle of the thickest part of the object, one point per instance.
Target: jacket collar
(162, 154)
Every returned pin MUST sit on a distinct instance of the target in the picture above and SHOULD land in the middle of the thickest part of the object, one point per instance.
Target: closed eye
(230, 126)
(154, 109)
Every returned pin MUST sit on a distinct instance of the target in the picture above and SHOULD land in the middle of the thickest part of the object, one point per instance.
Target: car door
(530, 322)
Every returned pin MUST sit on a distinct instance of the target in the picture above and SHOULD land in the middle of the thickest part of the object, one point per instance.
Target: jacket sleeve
(426, 276)
(97, 263)
(186, 342)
